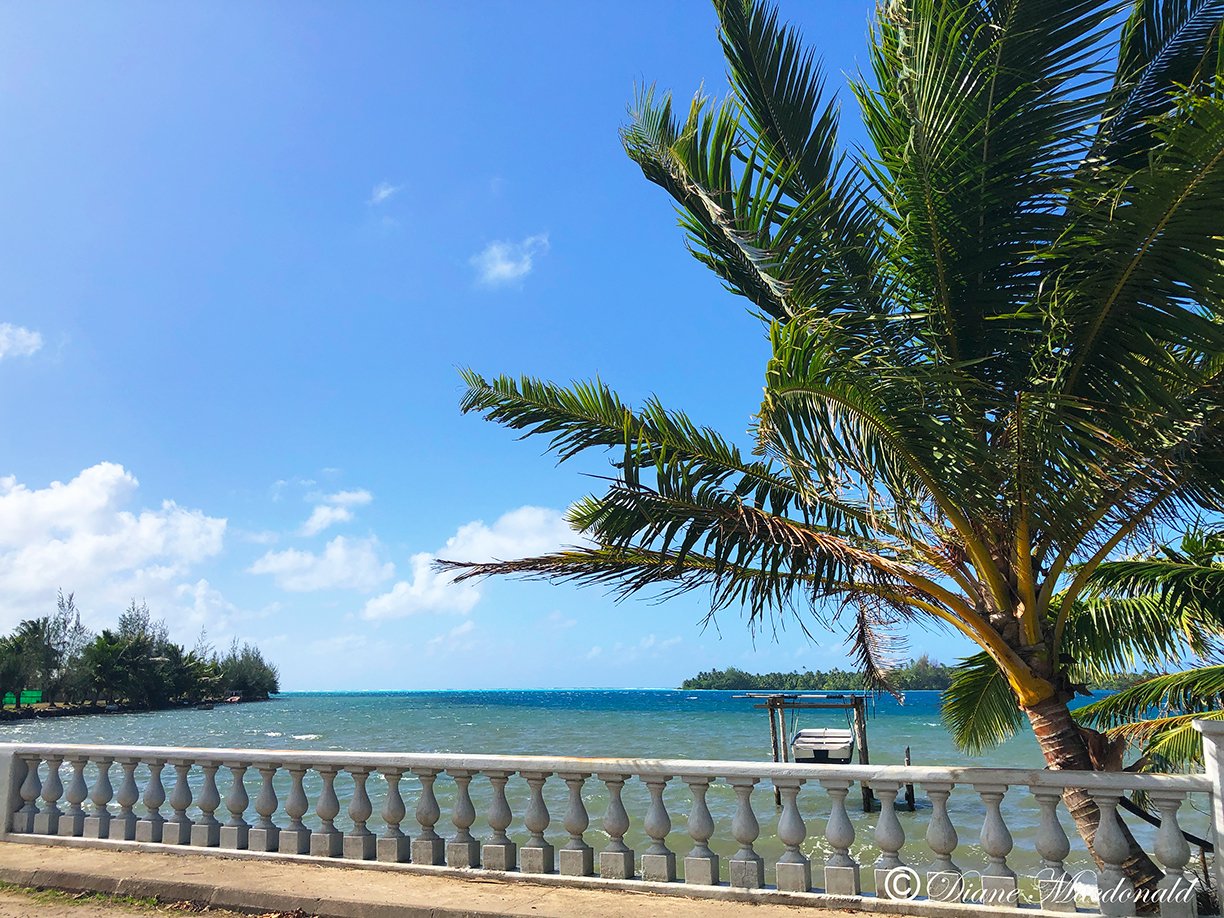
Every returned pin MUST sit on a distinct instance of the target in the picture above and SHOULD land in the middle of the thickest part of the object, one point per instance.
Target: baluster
(17, 778)
(1054, 885)
(1177, 893)
(358, 843)
(1117, 892)
(393, 845)
(747, 867)
(31, 787)
(658, 861)
(889, 838)
(700, 864)
(177, 830)
(123, 823)
(72, 823)
(236, 833)
(327, 841)
(577, 858)
(97, 823)
(537, 855)
(794, 870)
(152, 827)
(842, 874)
(265, 834)
(47, 822)
(998, 880)
(428, 847)
(616, 859)
(295, 837)
(206, 833)
(945, 882)
(463, 850)
(499, 852)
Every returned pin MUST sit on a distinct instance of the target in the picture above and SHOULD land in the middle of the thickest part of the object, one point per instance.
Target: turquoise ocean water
(596, 723)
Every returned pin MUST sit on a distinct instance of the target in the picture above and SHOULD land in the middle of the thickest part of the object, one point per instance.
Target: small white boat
(823, 745)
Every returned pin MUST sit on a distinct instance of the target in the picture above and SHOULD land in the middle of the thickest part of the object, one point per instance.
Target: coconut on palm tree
(996, 332)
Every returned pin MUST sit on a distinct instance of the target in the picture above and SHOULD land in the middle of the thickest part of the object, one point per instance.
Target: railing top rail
(904, 774)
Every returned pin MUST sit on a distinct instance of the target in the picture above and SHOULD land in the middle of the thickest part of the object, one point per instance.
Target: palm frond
(1137, 279)
(1166, 46)
(1106, 636)
(976, 114)
(1187, 579)
(978, 706)
(692, 161)
(1158, 713)
(589, 415)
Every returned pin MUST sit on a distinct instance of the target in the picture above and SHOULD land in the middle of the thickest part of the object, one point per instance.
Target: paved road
(257, 885)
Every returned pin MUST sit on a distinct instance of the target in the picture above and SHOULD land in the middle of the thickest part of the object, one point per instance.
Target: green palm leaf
(978, 706)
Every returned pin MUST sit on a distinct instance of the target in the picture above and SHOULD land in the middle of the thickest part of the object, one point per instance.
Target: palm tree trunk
(1065, 749)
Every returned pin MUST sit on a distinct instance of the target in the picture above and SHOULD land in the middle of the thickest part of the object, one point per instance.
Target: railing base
(428, 851)
(794, 877)
(264, 839)
(395, 850)
(202, 835)
(702, 871)
(463, 854)
(577, 862)
(46, 823)
(326, 844)
(843, 881)
(616, 865)
(536, 859)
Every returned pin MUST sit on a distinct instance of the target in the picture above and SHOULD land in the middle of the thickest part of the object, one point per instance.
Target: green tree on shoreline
(996, 338)
(135, 663)
(913, 675)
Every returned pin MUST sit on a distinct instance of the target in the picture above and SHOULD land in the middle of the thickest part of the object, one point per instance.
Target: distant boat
(823, 745)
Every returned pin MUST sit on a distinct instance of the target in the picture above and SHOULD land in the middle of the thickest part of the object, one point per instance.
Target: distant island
(914, 675)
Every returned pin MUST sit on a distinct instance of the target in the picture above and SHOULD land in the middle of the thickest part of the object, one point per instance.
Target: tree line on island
(57, 660)
(921, 674)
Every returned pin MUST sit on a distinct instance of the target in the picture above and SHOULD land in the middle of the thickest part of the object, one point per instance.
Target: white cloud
(16, 341)
(501, 263)
(457, 639)
(334, 508)
(517, 534)
(80, 536)
(349, 498)
(383, 192)
(323, 516)
(351, 564)
(201, 605)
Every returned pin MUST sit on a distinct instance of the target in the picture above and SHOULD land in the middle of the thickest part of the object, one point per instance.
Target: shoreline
(45, 711)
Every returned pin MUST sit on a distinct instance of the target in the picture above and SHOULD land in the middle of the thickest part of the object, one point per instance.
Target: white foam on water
(307, 736)
(274, 733)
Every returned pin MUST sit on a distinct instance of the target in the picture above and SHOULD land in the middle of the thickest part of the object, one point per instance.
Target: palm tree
(997, 334)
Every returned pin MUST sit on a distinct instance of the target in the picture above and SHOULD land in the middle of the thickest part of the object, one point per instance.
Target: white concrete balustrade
(319, 804)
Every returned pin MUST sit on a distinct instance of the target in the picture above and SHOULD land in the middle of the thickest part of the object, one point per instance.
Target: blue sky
(245, 248)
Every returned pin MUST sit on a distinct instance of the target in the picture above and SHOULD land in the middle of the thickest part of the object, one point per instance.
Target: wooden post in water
(775, 711)
(909, 788)
(860, 740)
